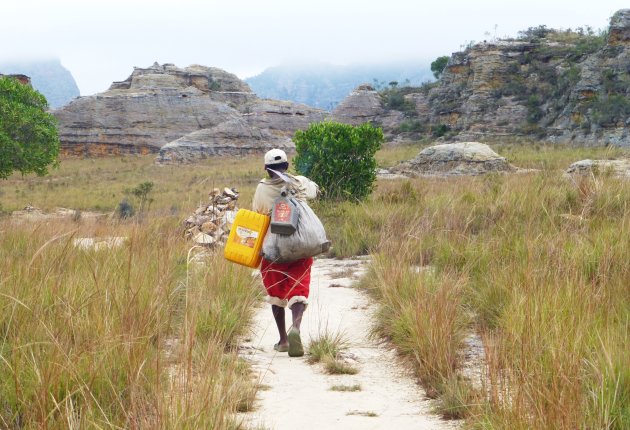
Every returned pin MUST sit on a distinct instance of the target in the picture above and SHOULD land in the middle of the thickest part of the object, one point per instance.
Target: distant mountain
(324, 86)
(48, 77)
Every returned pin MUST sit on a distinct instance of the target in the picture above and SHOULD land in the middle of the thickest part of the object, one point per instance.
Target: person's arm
(256, 202)
(261, 203)
(311, 189)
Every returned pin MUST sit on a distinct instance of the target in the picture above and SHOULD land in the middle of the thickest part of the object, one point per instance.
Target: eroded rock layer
(183, 114)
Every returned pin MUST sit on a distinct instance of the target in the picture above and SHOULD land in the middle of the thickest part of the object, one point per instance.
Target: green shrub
(339, 157)
(125, 209)
(609, 110)
(411, 126)
(28, 134)
(440, 130)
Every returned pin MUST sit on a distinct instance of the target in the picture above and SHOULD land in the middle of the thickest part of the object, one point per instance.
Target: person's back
(269, 190)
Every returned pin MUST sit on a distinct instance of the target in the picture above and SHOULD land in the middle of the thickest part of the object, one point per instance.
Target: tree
(339, 157)
(438, 66)
(28, 134)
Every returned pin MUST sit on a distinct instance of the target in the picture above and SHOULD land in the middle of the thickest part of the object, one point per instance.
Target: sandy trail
(298, 395)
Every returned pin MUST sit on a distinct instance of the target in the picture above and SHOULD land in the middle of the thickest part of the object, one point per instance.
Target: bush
(609, 110)
(440, 130)
(125, 209)
(339, 157)
(394, 99)
(412, 126)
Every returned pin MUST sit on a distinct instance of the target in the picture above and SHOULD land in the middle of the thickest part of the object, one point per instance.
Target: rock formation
(198, 111)
(559, 86)
(452, 159)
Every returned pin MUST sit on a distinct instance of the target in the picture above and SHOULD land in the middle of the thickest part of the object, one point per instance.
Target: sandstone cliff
(560, 86)
(183, 114)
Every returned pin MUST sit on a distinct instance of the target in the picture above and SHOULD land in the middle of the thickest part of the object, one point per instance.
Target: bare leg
(297, 310)
(278, 315)
(295, 342)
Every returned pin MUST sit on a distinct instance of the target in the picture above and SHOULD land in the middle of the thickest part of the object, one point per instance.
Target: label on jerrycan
(283, 211)
(284, 216)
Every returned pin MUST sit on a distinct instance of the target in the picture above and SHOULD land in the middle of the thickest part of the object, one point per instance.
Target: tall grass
(137, 337)
(117, 338)
(537, 265)
(100, 184)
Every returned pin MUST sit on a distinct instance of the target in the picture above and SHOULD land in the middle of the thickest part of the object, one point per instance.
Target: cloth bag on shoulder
(308, 239)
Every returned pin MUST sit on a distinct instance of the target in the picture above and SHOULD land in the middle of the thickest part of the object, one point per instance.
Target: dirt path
(297, 395)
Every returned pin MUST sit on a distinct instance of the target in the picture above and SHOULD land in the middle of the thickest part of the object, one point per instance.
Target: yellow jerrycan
(246, 237)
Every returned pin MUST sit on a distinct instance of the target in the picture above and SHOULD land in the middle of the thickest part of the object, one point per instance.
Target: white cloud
(101, 41)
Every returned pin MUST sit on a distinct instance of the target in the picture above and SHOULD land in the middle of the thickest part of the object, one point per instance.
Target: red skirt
(287, 280)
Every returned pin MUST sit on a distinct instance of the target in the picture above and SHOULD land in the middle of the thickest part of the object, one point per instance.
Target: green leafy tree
(438, 66)
(339, 157)
(29, 142)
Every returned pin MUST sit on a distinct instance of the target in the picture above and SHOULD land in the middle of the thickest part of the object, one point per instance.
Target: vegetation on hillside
(542, 79)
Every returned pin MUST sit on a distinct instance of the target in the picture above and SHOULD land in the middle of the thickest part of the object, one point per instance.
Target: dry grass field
(535, 265)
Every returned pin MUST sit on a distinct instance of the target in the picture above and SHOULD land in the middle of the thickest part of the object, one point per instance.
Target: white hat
(275, 156)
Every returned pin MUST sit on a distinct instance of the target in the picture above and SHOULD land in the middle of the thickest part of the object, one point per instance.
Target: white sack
(308, 240)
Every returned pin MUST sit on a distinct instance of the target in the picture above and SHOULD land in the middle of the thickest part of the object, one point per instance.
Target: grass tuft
(327, 349)
(346, 388)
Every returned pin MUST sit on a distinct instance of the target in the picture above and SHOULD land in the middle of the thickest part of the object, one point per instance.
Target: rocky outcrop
(280, 117)
(233, 137)
(364, 104)
(618, 168)
(558, 86)
(183, 114)
(453, 159)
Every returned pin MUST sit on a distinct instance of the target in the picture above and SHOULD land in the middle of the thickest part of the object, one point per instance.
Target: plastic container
(284, 215)
(246, 237)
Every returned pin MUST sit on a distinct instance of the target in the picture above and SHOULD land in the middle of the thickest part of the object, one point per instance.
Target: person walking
(287, 284)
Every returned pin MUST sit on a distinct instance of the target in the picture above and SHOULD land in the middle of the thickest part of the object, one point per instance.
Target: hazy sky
(101, 41)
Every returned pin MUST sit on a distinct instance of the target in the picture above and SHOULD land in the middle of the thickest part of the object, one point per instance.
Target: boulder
(463, 158)
(617, 168)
